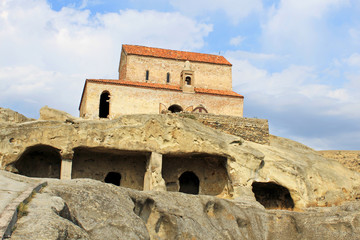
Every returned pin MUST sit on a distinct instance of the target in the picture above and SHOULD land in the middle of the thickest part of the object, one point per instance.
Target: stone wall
(250, 129)
(136, 100)
(206, 75)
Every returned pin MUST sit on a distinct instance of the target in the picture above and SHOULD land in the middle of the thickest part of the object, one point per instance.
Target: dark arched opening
(113, 178)
(40, 161)
(200, 109)
(175, 108)
(104, 105)
(272, 195)
(188, 80)
(189, 183)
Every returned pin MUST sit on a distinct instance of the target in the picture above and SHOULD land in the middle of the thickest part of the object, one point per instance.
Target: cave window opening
(189, 183)
(104, 107)
(175, 108)
(272, 195)
(113, 178)
(188, 80)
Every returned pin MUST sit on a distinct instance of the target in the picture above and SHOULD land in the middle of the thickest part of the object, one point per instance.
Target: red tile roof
(174, 54)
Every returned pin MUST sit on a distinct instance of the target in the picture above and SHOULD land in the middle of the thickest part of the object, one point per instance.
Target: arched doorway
(175, 108)
(189, 183)
(272, 195)
(113, 178)
(40, 161)
(188, 80)
(104, 105)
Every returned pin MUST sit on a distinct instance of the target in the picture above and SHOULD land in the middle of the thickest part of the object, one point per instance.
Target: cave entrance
(175, 108)
(272, 195)
(104, 106)
(189, 183)
(40, 161)
(113, 178)
(121, 168)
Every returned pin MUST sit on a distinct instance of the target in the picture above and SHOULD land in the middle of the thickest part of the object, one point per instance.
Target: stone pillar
(66, 168)
(153, 179)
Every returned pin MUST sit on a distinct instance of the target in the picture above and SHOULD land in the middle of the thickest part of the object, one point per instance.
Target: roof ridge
(175, 54)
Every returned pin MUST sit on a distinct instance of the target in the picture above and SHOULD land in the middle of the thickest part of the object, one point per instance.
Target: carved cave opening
(175, 108)
(104, 164)
(180, 171)
(272, 195)
(40, 161)
(113, 178)
(104, 107)
(189, 183)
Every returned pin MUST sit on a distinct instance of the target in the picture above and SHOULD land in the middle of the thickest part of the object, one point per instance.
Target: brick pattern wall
(250, 129)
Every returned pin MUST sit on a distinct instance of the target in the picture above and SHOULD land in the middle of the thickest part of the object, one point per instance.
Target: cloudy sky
(296, 62)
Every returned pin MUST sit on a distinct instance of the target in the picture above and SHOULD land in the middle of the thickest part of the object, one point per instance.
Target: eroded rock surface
(88, 209)
(350, 159)
(310, 179)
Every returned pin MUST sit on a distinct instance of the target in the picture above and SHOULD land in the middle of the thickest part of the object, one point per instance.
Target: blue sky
(296, 62)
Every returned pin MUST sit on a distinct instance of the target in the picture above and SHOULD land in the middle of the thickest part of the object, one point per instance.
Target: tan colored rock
(97, 147)
(8, 115)
(88, 209)
(51, 114)
(350, 159)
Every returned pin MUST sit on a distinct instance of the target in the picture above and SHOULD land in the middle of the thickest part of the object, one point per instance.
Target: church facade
(154, 80)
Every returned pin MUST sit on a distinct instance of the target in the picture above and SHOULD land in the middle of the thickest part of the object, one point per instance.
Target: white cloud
(234, 9)
(300, 27)
(47, 54)
(235, 41)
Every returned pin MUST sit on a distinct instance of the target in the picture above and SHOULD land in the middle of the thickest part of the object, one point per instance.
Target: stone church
(154, 80)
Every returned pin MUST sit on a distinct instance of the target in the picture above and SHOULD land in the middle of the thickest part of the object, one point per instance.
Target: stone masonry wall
(134, 100)
(250, 129)
(206, 75)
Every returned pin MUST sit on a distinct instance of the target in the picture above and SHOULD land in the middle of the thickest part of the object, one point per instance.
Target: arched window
(272, 195)
(200, 109)
(175, 108)
(40, 161)
(189, 183)
(113, 178)
(104, 106)
(188, 80)
(147, 75)
(168, 77)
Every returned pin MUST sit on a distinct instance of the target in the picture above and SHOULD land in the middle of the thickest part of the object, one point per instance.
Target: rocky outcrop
(51, 114)
(88, 209)
(8, 115)
(308, 178)
(350, 159)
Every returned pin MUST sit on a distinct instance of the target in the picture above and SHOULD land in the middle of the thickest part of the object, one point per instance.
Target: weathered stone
(350, 159)
(51, 114)
(88, 209)
(102, 146)
(8, 115)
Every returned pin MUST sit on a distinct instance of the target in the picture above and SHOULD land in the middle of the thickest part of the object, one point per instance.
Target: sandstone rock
(350, 159)
(88, 209)
(309, 178)
(51, 114)
(8, 115)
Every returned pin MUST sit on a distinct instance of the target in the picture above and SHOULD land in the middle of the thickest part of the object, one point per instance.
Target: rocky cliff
(246, 176)
(88, 209)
